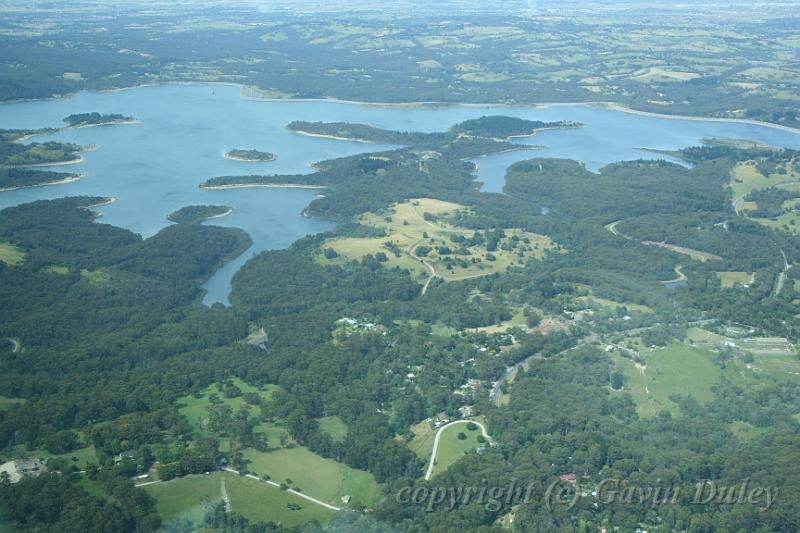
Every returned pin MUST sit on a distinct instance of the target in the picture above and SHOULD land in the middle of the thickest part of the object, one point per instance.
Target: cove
(154, 168)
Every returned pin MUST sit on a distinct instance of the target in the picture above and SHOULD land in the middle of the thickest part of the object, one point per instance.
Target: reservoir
(154, 167)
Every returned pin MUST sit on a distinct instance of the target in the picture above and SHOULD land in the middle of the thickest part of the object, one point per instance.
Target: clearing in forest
(421, 238)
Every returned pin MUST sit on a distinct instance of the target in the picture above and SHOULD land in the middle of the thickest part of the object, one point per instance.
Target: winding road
(782, 275)
(413, 254)
(432, 462)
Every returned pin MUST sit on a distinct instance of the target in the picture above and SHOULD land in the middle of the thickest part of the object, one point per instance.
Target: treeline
(13, 178)
(500, 127)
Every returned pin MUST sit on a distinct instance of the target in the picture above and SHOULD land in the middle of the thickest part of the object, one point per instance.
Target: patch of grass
(7, 403)
(10, 254)
(593, 300)
(262, 502)
(730, 279)
(745, 430)
(676, 369)
(321, 478)
(451, 448)
(99, 278)
(660, 74)
(188, 497)
(422, 443)
(333, 426)
(195, 408)
(55, 269)
(416, 225)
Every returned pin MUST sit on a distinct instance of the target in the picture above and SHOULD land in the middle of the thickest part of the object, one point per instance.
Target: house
(567, 477)
(465, 410)
(127, 454)
(441, 419)
(346, 499)
(20, 468)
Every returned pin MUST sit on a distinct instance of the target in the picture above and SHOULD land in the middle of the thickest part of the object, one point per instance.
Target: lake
(154, 168)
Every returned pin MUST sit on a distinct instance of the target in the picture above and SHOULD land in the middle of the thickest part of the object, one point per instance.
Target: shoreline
(221, 215)
(78, 160)
(334, 137)
(69, 179)
(261, 186)
(108, 201)
(497, 105)
(111, 123)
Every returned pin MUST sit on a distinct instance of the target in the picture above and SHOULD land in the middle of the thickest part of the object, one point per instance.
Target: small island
(250, 156)
(195, 214)
(84, 120)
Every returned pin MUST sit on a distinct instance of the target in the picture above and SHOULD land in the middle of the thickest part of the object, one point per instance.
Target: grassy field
(658, 74)
(195, 408)
(99, 278)
(6, 403)
(190, 498)
(262, 502)
(773, 356)
(321, 478)
(746, 178)
(333, 426)
(80, 457)
(451, 448)
(187, 497)
(410, 232)
(422, 443)
(10, 254)
(676, 369)
(730, 279)
(593, 300)
(60, 270)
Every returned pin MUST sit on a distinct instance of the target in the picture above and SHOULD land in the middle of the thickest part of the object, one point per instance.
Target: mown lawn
(676, 369)
(451, 448)
(258, 501)
(310, 473)
(187, 497)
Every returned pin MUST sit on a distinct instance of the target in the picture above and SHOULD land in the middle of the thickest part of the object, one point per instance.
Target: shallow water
(155, 167)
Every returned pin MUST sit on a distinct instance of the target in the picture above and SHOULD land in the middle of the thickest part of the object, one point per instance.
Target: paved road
(224, 494)
(782, 275)
(432, 462)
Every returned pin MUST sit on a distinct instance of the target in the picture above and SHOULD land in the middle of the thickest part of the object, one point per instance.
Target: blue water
(155, 167)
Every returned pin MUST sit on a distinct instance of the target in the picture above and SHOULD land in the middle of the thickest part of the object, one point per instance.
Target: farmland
(419, 238)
